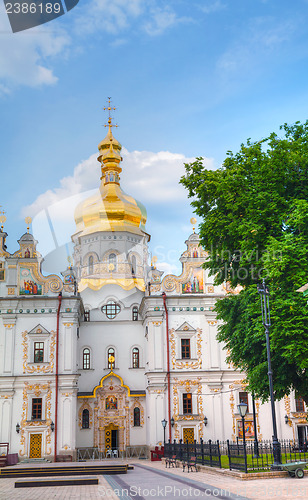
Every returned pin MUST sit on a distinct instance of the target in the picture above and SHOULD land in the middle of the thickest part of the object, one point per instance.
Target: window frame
(2, 271)
(86, 358)
(37, 409)
(111, 309)
(299, 404)
(243, 398)
(134, 265)
(38, 350)
(85, 419)
(109, 353)
(187, 403)
(137, 416)
(136, 357)
(184, 348)
(91, 264)
(112, 259)
(135, 313)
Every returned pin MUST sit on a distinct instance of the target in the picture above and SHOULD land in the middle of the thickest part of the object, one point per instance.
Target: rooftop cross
(2, 218)
(109, 108)
(28, 221)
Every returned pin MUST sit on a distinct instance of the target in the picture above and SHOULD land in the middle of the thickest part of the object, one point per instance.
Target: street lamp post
(264, 294)
(242, 409)
(164, 424)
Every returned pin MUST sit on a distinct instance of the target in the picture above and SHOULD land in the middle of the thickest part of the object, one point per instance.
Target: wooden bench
(190, 464)
(171, 461)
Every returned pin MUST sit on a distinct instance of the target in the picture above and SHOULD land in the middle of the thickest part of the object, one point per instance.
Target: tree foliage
(254, 212)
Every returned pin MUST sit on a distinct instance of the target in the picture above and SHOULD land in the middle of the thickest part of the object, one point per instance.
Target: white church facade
(99, 357)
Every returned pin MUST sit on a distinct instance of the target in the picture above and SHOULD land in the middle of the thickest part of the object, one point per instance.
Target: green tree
(254, 212)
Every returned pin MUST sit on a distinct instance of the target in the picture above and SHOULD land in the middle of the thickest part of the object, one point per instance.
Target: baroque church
(99, 357)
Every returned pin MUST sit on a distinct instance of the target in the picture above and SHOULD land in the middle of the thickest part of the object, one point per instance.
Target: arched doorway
(111, 437)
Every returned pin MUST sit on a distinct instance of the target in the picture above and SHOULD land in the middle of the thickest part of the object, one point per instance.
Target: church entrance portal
(111, 437)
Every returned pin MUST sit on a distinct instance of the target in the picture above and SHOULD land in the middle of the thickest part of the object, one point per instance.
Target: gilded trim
(111, 374)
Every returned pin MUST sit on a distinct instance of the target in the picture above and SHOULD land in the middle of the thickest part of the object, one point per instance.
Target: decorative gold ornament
(25, 423)
(37, 367)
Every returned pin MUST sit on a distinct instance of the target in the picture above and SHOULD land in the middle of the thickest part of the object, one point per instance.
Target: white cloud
(108, 16)
(150, 177)
(28, 57)
(119, 15)
(212, 6)
(160, 19)
(23, 56)
(261, 39)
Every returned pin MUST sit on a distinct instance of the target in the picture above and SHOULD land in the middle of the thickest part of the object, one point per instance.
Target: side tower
(38, 381)
(111, 254)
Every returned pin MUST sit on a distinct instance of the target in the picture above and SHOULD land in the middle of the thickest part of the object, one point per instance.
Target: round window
(111, 309)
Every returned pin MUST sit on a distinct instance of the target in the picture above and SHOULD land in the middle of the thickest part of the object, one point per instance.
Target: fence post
(174, 447)
(210, 450)
(180, 450)
(229, 456)
(245, 456)
(195, 448)
(218, 453)
(187, 450)
(202, 451)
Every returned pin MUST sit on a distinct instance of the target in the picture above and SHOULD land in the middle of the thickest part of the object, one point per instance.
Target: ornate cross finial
(2, 218)
(28, 221)
(109, 108)
(193, 221)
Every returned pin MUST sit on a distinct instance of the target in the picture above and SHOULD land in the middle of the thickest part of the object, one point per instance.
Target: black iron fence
(236, 456)
(206, 453)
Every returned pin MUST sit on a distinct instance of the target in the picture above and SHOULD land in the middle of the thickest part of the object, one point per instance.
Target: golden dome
(110, 209)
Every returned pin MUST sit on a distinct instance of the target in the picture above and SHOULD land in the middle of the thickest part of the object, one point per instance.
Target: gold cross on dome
(109, 108)
(28, 221)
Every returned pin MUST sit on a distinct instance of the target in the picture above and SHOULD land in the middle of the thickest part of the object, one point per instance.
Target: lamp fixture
(242, 409)
(205, 420)
(17, 428)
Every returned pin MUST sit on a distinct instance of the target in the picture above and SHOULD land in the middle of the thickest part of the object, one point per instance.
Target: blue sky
(188, 78)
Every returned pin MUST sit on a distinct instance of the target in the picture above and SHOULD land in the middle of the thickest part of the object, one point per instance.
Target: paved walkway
(152, 481)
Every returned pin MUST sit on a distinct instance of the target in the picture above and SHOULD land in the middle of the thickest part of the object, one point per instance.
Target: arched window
(135, 357)
(112, 262)
(91, 264)
(86, 359)
(85, 419)
(134, 264)
(111, 358)
(135, 313)
(136, 417)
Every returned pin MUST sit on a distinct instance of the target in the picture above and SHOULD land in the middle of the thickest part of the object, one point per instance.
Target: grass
(263, 462)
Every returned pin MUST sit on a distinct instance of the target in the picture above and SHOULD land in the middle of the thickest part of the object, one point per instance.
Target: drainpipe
(57, 374)
(168, 364)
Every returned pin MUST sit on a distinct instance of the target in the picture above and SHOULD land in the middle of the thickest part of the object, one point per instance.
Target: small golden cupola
(110, 209)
